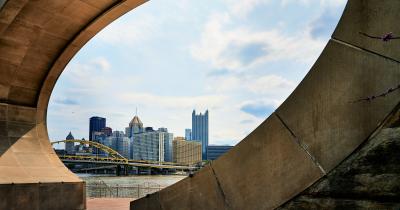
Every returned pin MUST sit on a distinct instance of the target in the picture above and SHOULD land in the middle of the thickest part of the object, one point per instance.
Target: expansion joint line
(363, 49)
(303, 146)
(389, 90)
(219, 186)
(158, 194)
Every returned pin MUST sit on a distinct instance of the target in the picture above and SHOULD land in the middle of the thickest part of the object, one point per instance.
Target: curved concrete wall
(37, 40)
(316, 128)
(313, 131)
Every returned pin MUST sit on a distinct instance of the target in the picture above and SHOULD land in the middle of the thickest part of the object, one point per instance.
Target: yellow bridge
(115, 158)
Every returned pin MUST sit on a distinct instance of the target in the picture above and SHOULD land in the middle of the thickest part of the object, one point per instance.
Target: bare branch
(370, 98)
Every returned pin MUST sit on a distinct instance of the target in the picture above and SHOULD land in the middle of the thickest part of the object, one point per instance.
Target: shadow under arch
(315, 129)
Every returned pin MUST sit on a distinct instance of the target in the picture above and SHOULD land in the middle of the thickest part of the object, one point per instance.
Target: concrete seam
(219, 186)
(3, 6)
(2, 2)
(159, 200)
(302, 145)
(363, 49)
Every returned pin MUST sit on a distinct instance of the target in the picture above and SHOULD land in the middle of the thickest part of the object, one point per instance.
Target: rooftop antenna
(136, 111)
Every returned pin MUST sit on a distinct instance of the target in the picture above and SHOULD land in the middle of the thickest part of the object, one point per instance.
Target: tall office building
(107, 131)
(100, 137)
(120, 143)
(168, 138)
(70, 146)
(186, 152)
(116, 141)
(96, 124)
(200, 131)
(135, 126)
(188, 134)
(152, 145)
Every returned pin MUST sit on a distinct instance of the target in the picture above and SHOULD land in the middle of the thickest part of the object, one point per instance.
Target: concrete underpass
(293, 160)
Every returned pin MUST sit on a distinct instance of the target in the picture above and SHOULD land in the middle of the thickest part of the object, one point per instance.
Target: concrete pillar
(37, 40)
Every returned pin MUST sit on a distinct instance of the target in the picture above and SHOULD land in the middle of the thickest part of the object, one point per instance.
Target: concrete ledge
(150, 202)
(202, 191)
(37, 40)
(55, 196)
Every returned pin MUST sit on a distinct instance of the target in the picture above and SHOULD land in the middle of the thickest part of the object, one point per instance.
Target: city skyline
(222, 56)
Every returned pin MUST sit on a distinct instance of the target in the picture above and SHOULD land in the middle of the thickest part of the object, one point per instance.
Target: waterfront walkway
(108, 203)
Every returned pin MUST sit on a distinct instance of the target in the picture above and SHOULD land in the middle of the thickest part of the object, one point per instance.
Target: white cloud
(226, 48)
(242, 8)
(89, 75)
(101, 63)
(223, 44)
(172, 102)
(333, 3)
(322, 3)
(129, 31)
(270, 84)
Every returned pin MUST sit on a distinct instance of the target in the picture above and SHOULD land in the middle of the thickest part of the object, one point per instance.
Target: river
(126, 186)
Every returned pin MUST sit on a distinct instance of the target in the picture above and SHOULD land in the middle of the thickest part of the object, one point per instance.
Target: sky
(238, 59)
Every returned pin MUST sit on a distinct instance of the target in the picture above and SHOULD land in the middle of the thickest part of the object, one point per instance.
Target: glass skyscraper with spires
(200, 131)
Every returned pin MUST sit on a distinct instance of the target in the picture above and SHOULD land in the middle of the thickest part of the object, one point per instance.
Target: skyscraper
(135, 126)
(120, 143)
(188, 134)
(102, 138)
(186, 152)
(200, 131)
(152, 145)
(148, 144)
(96, 124)
(107, 131)
(70, 146)
(116, 141)
(167, 138)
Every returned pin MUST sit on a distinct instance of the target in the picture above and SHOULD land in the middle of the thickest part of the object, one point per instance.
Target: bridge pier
(121, 170)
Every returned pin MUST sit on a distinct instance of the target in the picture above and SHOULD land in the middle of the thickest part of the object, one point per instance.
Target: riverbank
(129, 187)
(156, 180)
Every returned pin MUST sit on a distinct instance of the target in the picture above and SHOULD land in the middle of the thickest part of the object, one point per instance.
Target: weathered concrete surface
(37, 39)
(150, 202)
(267, 165)
(309, 135)
(368, 179)
(318, 111)
(42, 196)
(320, 124)
(198, 192)
(374, 17)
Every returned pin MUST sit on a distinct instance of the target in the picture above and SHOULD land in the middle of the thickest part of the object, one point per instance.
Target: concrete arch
(315, 129)
(37, 40)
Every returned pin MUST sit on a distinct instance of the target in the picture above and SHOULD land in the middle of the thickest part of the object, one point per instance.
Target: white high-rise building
(149, 144)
